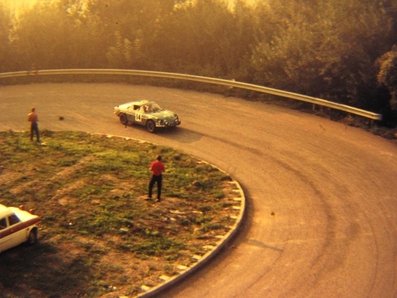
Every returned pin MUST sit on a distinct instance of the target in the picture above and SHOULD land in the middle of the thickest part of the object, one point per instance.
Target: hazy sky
(16, 4)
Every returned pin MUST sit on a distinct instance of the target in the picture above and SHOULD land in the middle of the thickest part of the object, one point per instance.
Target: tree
(325, 49)
(387, 74)
(5, 27)
(54, 36)
(126, 25)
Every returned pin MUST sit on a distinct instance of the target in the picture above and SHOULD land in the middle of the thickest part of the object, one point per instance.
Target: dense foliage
(340, 50)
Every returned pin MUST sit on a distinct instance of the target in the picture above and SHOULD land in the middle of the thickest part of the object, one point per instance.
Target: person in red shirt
(157, 168)
(34, 127)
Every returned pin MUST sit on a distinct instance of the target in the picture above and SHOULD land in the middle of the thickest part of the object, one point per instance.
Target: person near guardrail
(34, 126)
(157, 168)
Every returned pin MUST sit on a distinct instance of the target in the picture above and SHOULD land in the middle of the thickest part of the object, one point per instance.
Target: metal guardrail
(208, 80)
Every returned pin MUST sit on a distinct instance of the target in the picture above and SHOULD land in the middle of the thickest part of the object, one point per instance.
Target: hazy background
(342, 50)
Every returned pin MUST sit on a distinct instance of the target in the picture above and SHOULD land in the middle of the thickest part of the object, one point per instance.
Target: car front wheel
(150, 126)
(123, 119)
(32, 239)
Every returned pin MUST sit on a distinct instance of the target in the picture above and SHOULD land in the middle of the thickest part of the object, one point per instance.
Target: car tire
(150, 126)
(123, 119)
(33, 237)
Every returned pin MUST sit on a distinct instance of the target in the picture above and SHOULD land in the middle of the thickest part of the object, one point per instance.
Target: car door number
(138, 116)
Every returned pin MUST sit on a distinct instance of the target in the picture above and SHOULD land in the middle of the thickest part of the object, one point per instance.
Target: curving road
(322, 196)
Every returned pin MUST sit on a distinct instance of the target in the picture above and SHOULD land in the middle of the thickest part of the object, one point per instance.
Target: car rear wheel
(123, 119)
(32, 239)
(150, 126)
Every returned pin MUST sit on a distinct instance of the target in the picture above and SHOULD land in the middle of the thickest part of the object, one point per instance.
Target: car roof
(140, 102)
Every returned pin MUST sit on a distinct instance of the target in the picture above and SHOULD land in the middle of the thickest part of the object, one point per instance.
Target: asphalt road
(322, 196)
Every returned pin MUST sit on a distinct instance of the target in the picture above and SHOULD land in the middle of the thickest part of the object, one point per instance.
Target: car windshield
(13, 219)
(3, 223)
(154, 108)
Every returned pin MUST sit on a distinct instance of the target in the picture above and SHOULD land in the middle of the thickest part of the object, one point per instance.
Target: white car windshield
(153, 108)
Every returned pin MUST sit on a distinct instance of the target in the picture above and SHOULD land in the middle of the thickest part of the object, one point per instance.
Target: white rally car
(17, 226)
(146, 113)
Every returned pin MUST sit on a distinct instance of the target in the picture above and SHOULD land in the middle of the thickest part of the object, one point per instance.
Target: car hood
(164, 114)
(122, 107)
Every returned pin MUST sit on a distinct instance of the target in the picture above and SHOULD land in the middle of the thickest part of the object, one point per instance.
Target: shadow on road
(180, 134)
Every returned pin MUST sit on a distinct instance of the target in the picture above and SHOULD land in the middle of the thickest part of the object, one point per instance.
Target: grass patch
(98, 235)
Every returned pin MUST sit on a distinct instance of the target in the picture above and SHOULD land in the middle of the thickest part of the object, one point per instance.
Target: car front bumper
(168, 123)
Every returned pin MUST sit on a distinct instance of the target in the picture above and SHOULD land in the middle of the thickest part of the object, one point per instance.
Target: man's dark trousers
(156, 179)
(34, 130)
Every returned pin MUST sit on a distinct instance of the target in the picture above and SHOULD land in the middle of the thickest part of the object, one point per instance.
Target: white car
(146, 113)
(17, 226)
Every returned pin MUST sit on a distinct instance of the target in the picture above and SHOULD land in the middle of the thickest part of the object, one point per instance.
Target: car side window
(3, 223)
(13, 219)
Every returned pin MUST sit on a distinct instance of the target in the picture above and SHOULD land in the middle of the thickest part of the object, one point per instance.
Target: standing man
(157, 168)
(34, 127)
